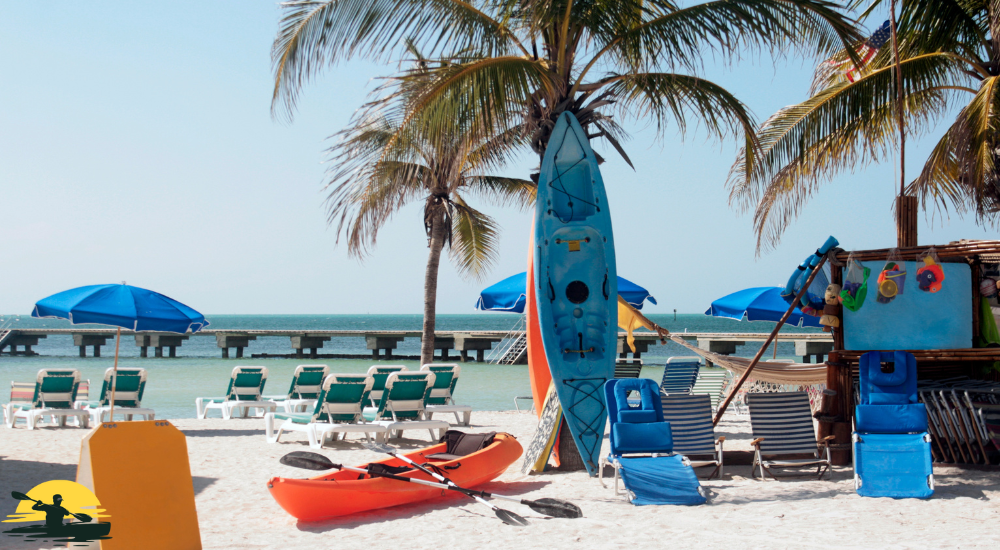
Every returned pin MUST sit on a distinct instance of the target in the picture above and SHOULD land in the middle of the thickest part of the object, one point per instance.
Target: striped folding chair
(712, 382)
(690, 418)
(628, 368)
(783, 425)
(679, 375)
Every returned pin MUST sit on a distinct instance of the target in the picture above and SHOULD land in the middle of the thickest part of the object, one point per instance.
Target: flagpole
(114, 375)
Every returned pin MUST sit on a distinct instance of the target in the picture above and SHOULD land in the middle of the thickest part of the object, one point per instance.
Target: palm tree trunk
(437, 239)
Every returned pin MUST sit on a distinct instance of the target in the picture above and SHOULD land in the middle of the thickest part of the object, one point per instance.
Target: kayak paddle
(316, 461)
(21, 496)
(548, 506)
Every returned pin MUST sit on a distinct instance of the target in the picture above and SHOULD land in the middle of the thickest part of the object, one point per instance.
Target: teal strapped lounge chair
(304, 390)
(245, 387)
(129, 388)
(679, 375)
(402, 404)
(783, 425)
(338, 410)
(54, 395)
(379, 374)
(690, 418)
(441, 400)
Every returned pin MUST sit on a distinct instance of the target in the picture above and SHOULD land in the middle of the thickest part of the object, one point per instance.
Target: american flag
(869, 49)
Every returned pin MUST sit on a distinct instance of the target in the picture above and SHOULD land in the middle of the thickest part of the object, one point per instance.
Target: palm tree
(520, 63)
(379, 169)
(949, 59)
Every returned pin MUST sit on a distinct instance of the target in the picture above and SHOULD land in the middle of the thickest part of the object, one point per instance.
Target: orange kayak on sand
(341, 493)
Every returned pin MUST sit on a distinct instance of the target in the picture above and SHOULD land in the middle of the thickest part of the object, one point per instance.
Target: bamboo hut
(942, 330)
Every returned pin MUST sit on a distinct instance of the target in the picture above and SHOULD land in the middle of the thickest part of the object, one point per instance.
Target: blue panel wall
(914, 319)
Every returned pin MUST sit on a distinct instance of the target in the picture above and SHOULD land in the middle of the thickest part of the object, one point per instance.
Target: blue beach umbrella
(759, 304)
(121, 305)
(508, 294)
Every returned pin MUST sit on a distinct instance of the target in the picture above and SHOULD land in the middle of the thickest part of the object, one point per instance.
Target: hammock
(767, 371)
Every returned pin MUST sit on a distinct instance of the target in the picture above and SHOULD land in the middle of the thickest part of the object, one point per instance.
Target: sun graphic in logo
(76, 499)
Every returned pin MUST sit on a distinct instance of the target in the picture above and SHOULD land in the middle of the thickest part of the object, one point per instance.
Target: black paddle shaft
(21, 496)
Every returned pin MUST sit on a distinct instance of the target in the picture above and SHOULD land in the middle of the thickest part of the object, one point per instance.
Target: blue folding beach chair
(679, 375)
(892, 448)
(642, 448)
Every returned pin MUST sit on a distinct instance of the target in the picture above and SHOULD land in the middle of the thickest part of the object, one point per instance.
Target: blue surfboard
(577, 283)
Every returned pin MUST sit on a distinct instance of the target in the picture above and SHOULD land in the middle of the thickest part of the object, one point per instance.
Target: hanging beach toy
(892, 278)
(855, 284)
(988, 287)
(930, 275)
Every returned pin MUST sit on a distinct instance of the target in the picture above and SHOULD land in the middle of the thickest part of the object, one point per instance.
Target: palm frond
(684, 37)
(803, 146)
(315, 34)
(964, 168)
(663, 96)
(483, 95)
(501, 191)
(474, 240)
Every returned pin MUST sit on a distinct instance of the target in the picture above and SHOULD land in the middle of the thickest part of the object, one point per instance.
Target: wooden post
(83, 350)
(774, 334)
(97, 350)
(225, 353)
(906, 221)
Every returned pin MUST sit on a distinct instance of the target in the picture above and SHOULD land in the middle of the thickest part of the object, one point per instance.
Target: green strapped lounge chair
(379, 375)
(305, 388)
(129, 388)
(441, 400)
(337, 411)
(402, 404)
(54, 395)
(245, 387)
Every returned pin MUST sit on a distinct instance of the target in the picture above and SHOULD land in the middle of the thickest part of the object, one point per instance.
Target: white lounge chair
(441, 400)
(245, 387)
(129, 388)
(54, 395)
(337, 411)
(402, 405)
(304, 390)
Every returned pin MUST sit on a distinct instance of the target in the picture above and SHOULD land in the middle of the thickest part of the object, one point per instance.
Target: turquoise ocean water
(199, 370)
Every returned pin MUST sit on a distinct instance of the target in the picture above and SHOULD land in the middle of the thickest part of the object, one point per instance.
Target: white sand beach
(231, 463)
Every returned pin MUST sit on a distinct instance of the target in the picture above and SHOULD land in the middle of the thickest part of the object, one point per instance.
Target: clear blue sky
(136, 144)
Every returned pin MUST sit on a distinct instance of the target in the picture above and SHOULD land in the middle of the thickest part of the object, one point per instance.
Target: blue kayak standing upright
(577, 291)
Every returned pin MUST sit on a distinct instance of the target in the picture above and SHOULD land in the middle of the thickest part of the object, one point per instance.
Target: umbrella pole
(114, 375)
(763, 348)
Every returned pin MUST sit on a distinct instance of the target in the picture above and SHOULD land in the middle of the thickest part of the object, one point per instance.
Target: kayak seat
(461, 444)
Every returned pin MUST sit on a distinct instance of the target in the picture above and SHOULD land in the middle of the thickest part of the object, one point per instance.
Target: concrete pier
(312, 343)
(96, 340)
(26, 341)
(382, 343)
(641, 346)
(158, 341)
(464, 343)
(239, 341)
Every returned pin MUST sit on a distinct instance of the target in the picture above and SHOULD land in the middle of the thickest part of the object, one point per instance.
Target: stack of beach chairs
(964, 419)
(892, 446)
